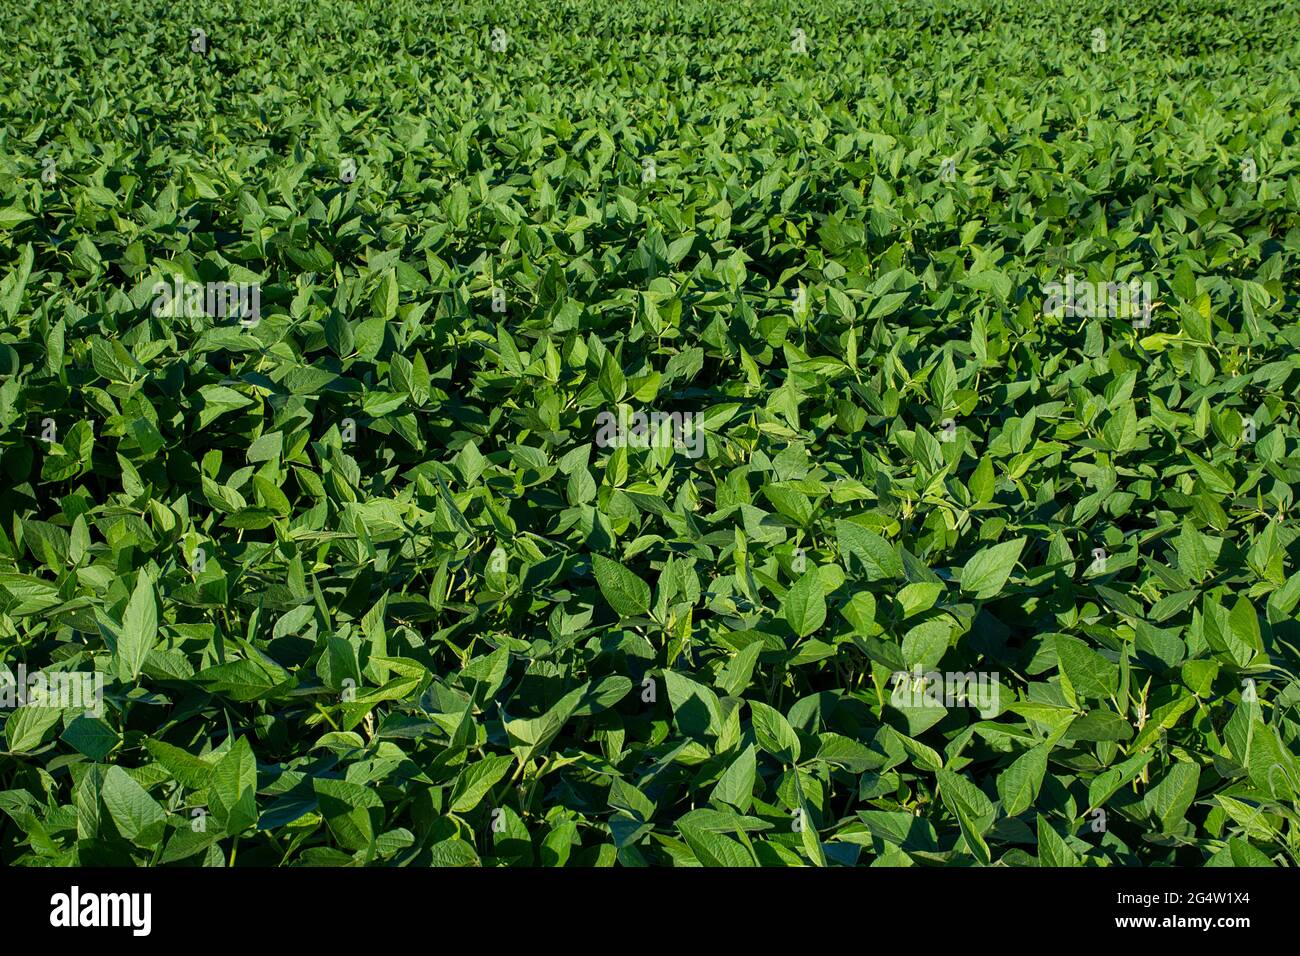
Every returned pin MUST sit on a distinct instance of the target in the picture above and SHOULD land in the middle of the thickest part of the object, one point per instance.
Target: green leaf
(27, 727)
(1237, 852)
(1171, 797)
(533, 735)
(714, 849)
(626, 593)
(233, 789)
(91, 736)
(987, 571)
(1088, 672)
(805, 604)
(474, 782)
(347, 808)
(1121, 430)
(1053, 850)
(736, 785)
(139, 629)
(973, 810)
(774, 733)
(190, 771)
(696, 710)
(925, 644)
(1019, 784)
(879, 559)
(267, 447)
(137, 816)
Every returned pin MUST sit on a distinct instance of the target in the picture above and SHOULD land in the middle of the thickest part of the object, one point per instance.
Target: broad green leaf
(28, 727)
(139, 628)
(736, 785)
(1053, 850)
(474, 782)
(987, 571)
(774, 733)
(233, 786)
(626, 593)
(805, 604)
(137, 816)
(1018, 785)
(878, 558)
(973, 810)
(1169, 799)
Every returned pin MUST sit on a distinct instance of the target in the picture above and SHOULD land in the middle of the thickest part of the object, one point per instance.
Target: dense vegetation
(363, 586)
